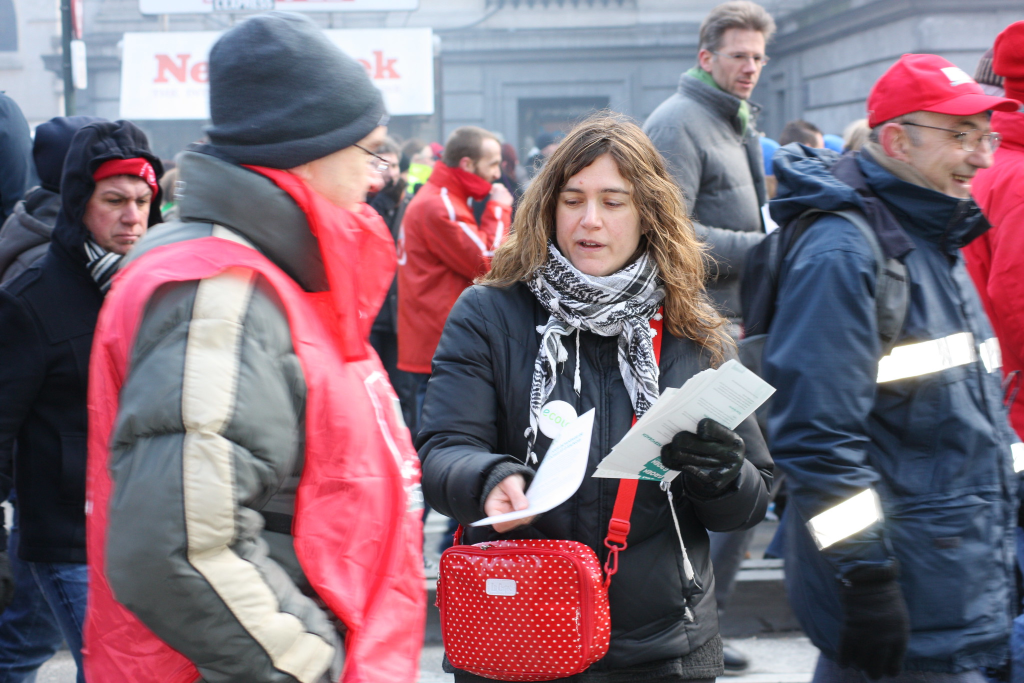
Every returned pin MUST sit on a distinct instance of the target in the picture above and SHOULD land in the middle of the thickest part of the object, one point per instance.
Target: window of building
(8, 27)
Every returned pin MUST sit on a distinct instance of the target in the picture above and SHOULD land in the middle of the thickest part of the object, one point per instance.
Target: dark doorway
(552, 114)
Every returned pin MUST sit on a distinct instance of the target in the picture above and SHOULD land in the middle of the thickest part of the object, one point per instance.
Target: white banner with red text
(165, 75)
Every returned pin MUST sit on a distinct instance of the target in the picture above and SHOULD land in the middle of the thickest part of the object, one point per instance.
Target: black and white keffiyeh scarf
(620, 304)
(102, 264)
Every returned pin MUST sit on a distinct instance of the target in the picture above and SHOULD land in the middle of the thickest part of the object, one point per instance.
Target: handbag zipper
(586, 627)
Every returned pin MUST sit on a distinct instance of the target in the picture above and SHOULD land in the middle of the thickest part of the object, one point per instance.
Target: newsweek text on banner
(165, 75)
(205, 6)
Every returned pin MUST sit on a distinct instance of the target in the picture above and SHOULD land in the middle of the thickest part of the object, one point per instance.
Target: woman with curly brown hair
(601, 247)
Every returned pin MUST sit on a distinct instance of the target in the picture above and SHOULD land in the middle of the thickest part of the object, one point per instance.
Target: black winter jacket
(474, 418)
(47, 316)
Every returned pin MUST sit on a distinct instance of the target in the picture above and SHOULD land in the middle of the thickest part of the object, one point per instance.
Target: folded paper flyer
(728, 394)
(560, 473)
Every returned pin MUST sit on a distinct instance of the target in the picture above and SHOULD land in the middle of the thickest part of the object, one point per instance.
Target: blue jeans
(29, 633)
(66, 587)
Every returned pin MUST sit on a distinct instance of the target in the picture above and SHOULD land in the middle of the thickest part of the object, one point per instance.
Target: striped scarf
(621, 304)
(102, 264)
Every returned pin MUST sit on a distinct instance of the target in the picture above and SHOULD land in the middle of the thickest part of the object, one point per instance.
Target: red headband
(138, 167)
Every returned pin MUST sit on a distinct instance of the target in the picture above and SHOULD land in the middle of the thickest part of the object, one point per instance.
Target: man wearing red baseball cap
(888, 419)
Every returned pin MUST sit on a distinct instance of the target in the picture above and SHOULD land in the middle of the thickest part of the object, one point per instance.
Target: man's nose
(132, 214)
(982, 156)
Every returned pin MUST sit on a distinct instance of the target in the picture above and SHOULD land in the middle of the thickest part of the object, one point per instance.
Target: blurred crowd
(233, 384)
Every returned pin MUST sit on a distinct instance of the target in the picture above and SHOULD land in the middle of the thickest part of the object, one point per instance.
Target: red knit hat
(1008, 60)
(136, 166)
(929, 83)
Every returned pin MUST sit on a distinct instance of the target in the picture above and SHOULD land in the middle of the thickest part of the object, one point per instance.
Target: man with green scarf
(706, 133)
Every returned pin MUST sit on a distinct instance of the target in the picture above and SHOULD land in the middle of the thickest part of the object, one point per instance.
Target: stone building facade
(523, 66)
(30, 30)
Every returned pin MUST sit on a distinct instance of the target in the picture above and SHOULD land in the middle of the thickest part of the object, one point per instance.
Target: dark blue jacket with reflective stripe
(935, 447)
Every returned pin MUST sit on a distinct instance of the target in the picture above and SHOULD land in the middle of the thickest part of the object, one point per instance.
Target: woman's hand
(508, 496)
(710, 460)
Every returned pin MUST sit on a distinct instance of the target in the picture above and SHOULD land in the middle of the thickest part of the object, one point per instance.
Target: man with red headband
(889, 420)
(109, 198)
(251, 482)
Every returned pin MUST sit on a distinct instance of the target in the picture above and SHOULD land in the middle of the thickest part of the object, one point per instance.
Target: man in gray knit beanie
(218, 552)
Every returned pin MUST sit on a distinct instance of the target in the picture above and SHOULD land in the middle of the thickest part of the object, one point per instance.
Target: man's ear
(704, 58)
(467, 165)
(895, 141)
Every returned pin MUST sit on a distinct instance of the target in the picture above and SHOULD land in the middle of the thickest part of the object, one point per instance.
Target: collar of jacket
(718, 101)
(359, 258)
(460, 182)
(216, 191)
(892, 237)
(949, 222)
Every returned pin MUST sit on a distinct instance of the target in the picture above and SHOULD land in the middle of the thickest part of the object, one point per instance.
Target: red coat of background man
(996, 259)
(441, 250)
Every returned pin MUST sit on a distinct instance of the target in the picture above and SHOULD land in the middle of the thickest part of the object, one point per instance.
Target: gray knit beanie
(282, 94)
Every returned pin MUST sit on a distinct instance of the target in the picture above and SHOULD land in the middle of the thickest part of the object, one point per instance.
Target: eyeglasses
(969, 139)
(759, 60)
(377, 162)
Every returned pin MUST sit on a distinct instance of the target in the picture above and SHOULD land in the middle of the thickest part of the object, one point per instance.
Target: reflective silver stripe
(924, 358)
(844, 520)
(1017, 451)
(991, 354)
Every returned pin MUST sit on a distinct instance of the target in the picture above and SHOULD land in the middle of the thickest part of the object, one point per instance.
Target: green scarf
(706, 78)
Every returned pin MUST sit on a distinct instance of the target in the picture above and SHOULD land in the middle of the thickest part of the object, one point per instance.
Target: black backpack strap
(892, 288)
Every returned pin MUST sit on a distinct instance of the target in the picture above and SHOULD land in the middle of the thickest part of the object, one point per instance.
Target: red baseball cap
(929, 83)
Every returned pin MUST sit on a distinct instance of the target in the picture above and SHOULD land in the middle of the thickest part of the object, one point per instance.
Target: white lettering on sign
(165, 75)
(554, 417)
(501, 587)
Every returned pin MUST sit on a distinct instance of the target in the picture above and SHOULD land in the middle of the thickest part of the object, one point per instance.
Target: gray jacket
(25, 236)
(188, 555)
(721, 173)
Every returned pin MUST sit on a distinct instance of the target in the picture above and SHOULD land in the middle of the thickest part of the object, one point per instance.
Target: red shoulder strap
(618, 526)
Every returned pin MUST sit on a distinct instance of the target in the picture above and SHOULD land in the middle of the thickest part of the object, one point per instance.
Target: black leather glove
(876, 625)
(710, 460)
(6, 582)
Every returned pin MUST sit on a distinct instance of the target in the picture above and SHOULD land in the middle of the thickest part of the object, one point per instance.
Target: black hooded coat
(47, 317)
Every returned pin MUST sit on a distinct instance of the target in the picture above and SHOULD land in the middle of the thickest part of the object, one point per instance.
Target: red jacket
(996, 259)
(441, 250)
(357, 532)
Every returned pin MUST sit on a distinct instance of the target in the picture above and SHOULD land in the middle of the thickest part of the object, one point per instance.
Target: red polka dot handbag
(531, 610)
